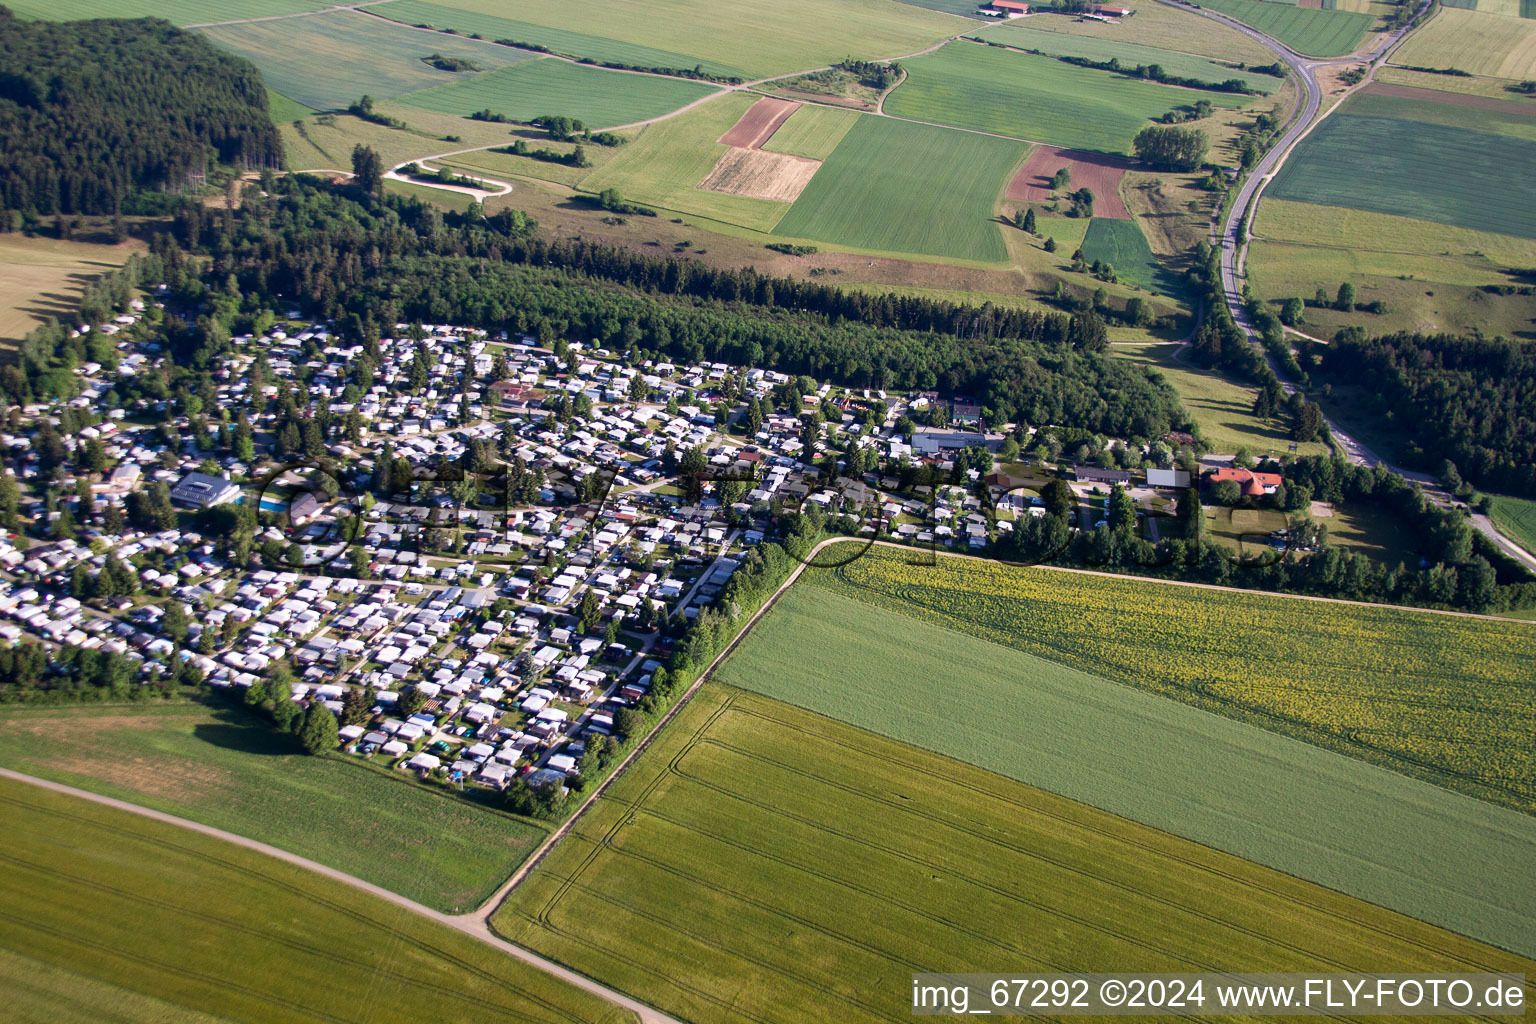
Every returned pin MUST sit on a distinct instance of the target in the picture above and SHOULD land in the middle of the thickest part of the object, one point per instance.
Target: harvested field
(761, 175)
(1521, 108)
(1098, 172)
(759, 123)
(44, 277)
(1483, 44)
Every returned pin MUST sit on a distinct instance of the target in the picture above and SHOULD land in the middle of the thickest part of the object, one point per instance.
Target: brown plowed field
(1452, 99)
(759, 123)
(1098, 172)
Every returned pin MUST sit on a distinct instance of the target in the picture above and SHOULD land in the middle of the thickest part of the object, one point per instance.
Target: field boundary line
(467, 924)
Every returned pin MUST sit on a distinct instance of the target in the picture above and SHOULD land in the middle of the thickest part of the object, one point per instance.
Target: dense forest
(1469, 400)
(92, 112)
(369, 262)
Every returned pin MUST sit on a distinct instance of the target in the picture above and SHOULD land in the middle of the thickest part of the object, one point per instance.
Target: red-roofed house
(1010, 7)
(1253, 484)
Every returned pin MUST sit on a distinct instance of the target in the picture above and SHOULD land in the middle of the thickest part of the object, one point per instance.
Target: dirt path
(472, 924)
(283, 17)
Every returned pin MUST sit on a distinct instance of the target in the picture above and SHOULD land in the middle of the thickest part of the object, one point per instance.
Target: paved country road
(473, 924)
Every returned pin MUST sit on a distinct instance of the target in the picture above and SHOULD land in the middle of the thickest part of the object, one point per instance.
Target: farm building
(1008, 8)
(1168, 478)
(1253, 484)
(1093, 474)
(1112, 12)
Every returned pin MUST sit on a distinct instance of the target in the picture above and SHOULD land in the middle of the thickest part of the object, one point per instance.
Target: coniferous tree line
(92, 112)
(1471, 400)
(370, 262)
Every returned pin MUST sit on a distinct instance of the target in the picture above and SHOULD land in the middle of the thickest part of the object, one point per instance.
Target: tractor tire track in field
(363, 964)
(469, 924)
(1351, 743)
(1158, 851)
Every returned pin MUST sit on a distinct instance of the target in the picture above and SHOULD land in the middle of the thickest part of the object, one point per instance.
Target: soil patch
(759, 123)
(1452, 99)
(1098, 172)
(761, 175)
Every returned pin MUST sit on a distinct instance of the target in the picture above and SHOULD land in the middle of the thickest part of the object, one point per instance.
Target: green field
(666, 162)
(568, 43)
(327, 141)
(217, 767)
(1222, 407)
(1121, 244)
(1516, 519)
(761, 37)
(1286, 804)
(1421, 293)
(1483, 44)
(894, 186)
(329, 60)
(180, 12)
(1515, 119)
(1412, 169)
(110, 918)
(285, 110)
(761, 863)
(600, 98)
(812, 131)
(1025, 36)
(990, 89)
(1442, 698)
(1166, 27)
(1481, 255)
(1307, 30)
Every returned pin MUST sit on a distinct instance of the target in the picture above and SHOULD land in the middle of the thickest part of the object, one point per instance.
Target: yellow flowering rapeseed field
(1450, 699)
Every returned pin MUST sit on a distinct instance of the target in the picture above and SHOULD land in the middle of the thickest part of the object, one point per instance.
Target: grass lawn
(44, 277)
(1121, 244)
(1516, 519)
(1422, 293)
(812, 131)
(1023, 34)
(665, 163)
(180, 12)
(1222, 408)
(1168, 28)
(990, 89)
(500, 165)
(596, 96)
(456, 201)
(863, 194)
(326, 141)
(285, 110)
(1455, 255)
(763, 863)
(330, 60)
(216, 766)
(110, 917)
(578, 44)
(1442, 698)
(1483, 44)
(1414, 169)
(1370, 530)
(1246, 530)
(760, 37)
(1308, 30)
